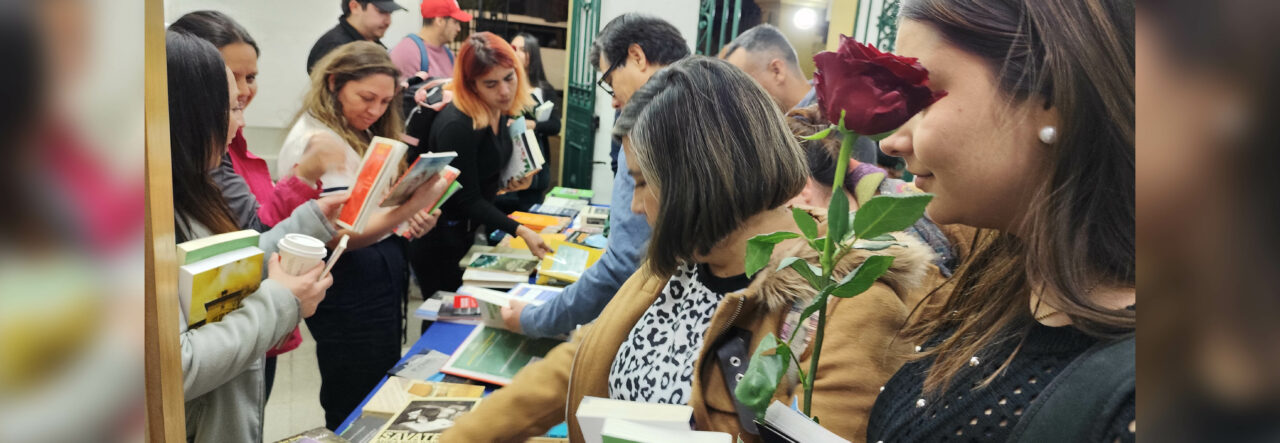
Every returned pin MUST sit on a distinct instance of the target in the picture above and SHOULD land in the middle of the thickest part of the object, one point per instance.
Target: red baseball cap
(444, 8)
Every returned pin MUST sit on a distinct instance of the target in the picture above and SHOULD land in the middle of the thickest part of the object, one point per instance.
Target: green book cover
(453, 188)
(200, 249)
(563, 192)
(495, 355)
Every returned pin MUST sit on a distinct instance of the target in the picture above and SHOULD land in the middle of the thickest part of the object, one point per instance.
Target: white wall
(286, 30)
(683, 14)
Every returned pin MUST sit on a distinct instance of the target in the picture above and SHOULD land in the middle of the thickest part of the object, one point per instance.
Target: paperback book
(220, 271)
(379, 167)
(494, 301)
(426, 166)
(494, 355)
(425, 420)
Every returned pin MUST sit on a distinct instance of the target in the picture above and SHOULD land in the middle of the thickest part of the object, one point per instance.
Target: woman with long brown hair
(1034, 143)
(353, 97)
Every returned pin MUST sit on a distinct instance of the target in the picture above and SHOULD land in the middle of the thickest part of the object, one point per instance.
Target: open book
(492, 301)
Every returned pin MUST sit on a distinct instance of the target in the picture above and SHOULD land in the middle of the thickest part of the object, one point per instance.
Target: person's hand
(511, 315)
(530, 124)
(422, 222)
(309, 288)
(519, 184)
(538, 247)
(427, 194)
(323, 154)
(330, 205)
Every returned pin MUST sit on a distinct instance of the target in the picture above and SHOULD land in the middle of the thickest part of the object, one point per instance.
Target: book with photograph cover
(494, 355)
(211, 287)
(504, 263)
(425, 420)
(426, 166)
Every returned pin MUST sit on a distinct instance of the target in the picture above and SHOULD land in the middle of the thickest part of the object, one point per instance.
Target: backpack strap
(1069, 408)
(425, 64)
(449, 53)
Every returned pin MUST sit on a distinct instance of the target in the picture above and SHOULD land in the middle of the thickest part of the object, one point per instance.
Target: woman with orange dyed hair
(489, 87)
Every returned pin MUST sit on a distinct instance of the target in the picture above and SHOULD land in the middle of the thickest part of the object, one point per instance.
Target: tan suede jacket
(859, 353)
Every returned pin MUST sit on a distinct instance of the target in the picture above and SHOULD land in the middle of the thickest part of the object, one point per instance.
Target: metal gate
(580, 97)
(877, 23)
(717, 28)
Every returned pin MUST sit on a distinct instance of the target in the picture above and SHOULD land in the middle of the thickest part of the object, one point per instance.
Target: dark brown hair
(711, 143)
(821, 155)
(1076, 56)
(199, 109)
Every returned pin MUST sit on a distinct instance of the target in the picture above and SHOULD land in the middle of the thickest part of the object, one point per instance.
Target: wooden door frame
(166, 416)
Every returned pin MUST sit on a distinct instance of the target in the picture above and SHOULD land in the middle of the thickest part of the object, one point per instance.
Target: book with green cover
(199, 249)
(563, 192)
(493, 355)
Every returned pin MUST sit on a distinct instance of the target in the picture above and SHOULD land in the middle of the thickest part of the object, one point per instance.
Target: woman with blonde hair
(489, 88)
(353, 97)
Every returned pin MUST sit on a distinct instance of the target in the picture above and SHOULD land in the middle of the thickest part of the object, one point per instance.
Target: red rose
(877, 91)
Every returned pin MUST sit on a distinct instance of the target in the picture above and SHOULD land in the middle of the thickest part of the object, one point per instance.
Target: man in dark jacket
(361, 20)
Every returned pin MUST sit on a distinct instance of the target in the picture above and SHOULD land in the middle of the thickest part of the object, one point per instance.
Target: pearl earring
(1048, 135)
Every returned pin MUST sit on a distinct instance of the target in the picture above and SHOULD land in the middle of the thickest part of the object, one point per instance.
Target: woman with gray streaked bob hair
(714, 166)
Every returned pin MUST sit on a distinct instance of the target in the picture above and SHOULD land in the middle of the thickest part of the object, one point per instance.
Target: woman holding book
(714, 166)
(546, 104)
(1033, 143)
(352, 98)
(222, 361)
(256, 202)
(489, 86)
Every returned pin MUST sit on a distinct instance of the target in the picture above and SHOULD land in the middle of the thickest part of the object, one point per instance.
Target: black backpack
(420, 117)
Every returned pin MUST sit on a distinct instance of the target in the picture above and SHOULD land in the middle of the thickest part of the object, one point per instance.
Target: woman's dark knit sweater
(903, 414)
(482, 155)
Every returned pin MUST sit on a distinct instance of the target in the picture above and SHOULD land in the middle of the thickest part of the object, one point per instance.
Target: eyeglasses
(603, 83)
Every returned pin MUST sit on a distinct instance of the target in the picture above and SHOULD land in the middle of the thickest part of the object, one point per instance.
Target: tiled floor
(294, 405)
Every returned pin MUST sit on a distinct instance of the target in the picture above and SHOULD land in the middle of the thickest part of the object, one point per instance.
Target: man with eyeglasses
(627, 52)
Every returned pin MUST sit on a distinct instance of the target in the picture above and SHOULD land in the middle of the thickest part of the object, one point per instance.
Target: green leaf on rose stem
(818, 303)
(760, 382)
(867, 187)
(876, 245)
(805, 221)
(882, 135)
(888, 213)
(817, 243)
(861, 279)
(760, 249)
(838, 216)
(820, 135)
(811, 273)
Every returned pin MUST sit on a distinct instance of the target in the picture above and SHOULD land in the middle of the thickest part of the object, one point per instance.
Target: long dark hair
(536, 74)
(1078, 57)
(199, 110)
(215, 27)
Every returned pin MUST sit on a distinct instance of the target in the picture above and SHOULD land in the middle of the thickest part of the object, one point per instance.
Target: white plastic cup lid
(303, 245)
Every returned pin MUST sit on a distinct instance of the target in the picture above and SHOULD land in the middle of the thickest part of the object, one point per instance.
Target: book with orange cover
(538, 222)
(379, 167)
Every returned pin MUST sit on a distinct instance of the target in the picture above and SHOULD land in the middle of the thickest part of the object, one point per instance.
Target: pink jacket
(276, 201)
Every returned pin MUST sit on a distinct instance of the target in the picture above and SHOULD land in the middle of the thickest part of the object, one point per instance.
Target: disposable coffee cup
(300, 253)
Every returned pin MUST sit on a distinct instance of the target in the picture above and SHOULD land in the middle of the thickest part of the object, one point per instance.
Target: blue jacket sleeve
(582, 301)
